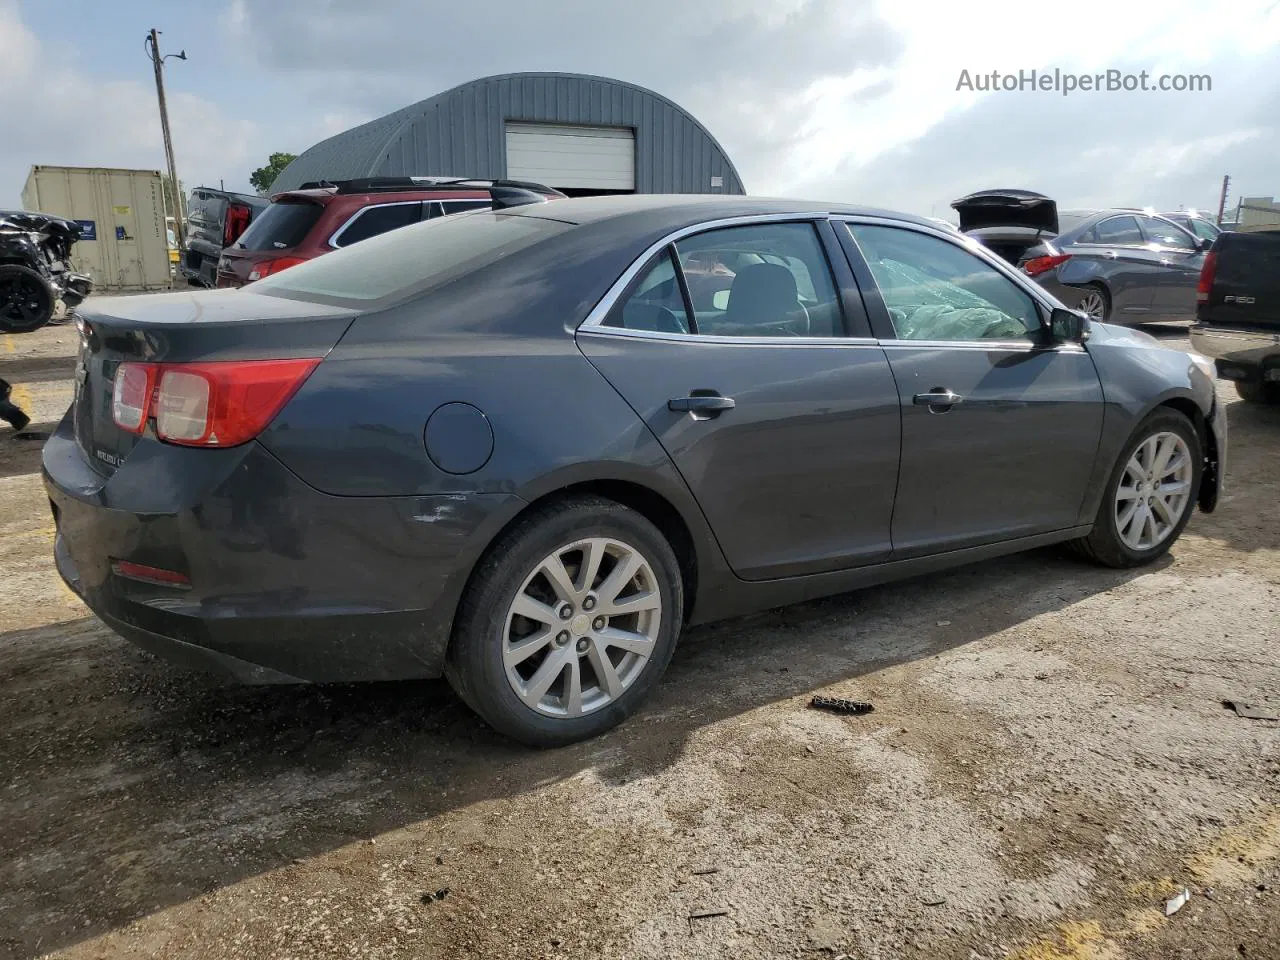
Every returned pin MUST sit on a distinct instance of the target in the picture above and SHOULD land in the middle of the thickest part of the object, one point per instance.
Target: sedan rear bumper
(286, 584)
(1239, 354)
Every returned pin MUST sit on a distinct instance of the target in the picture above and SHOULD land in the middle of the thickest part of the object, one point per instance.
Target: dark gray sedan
(526, 448)
(1123, 266)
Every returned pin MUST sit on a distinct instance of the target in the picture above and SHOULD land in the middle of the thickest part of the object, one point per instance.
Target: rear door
(1180, 260)
(774, 403)
(999, 433)
(1115, 252)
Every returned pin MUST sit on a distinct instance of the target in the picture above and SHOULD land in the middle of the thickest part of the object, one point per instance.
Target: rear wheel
(1257, 391)
(26, 300)
(1096, 303)
(1150, 495)
(568, 624)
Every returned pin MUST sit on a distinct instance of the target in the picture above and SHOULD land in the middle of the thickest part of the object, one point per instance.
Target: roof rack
(502, 193)
(393, 184)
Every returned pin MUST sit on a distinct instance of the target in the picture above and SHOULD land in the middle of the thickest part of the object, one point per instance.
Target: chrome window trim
(333, 240)
(594, 321)
(711, 339)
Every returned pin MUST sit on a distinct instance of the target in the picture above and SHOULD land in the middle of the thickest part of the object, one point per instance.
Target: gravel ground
(1048, 762)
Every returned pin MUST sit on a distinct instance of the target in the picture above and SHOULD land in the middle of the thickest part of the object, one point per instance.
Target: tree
(264, 177)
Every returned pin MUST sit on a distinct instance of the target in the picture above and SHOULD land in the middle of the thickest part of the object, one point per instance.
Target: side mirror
(1068, 326)
(1204, 244)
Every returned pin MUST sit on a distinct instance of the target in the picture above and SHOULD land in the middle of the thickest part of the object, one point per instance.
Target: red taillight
(131, 395)
(237, 222)
(1038, 265)
(218, 404)
(267, 267)
(1207, 273)
(140, 571)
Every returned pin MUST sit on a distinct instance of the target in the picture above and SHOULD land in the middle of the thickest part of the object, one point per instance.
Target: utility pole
(1222, 200)
(157, 61)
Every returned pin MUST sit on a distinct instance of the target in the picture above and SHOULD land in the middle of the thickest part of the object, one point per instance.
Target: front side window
(935, 290)
(1166, 234)
(1203, 228)
(375, 220)
(1120, 231)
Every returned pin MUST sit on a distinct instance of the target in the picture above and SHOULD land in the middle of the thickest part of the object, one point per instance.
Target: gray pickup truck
(1238, 312)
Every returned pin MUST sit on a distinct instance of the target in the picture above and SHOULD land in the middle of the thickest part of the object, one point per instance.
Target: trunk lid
(1007, 208)
(183, 327)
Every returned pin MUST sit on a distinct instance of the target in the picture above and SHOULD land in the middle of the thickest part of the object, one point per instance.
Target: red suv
(301, 224)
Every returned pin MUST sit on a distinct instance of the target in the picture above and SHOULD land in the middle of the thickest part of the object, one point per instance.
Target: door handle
(1110, 254)
(701, 406)
(938, 397)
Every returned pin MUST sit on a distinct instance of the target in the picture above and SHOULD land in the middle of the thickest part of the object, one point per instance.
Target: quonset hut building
(582, 135)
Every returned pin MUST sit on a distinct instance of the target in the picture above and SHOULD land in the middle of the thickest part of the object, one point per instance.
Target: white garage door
(583, 158)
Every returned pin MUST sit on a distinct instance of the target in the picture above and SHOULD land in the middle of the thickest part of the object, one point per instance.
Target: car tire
(484, 663)
(1095, 301)
(19, 282)
(1112, 543)
(1256, 391)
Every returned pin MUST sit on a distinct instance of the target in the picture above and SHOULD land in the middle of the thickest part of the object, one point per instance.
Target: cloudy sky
(833, 99)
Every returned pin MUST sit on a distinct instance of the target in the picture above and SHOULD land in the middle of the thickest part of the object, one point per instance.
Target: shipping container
(123, 239)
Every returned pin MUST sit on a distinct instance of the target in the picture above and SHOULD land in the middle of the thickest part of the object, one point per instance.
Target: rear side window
(281, 226)
(446, 207)
(1119, 230)
(410, 261)
(372, 221)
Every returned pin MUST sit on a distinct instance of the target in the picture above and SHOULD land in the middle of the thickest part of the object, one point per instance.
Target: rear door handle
(701, 406)
(938, 397)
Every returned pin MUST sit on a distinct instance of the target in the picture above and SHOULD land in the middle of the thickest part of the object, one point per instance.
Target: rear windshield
(410, 260)
(281, 226)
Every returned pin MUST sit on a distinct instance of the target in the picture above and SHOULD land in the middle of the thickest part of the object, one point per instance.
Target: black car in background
(1238, 314)
(215, 220)
(524, 448)
(35, 269)
(1121, 266)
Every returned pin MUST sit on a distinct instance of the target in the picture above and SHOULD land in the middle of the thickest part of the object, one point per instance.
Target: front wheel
(1150, 495)
(26, 299)
(568, 624)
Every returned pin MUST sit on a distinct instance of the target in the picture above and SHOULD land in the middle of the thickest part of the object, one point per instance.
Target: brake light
(236, 224)
(1207, 274)
(267, 267)
(222, 403)
(1038, 265)
(131, 395)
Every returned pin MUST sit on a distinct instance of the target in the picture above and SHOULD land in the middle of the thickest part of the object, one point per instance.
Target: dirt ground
(1048, 762)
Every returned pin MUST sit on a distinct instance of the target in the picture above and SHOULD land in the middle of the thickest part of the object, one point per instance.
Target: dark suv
(302, 224)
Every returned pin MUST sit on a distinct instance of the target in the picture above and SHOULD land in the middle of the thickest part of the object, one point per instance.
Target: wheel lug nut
(589, 603)
(562, 638)
(566, 611)
(599, 623)
(582, 644)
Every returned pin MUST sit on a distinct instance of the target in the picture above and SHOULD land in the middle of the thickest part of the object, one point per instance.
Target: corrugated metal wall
(461, 132)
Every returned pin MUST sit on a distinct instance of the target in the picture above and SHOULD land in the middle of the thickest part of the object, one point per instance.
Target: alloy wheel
(1154, 491)
(582, 627)
(1094, 306)
(20, 300)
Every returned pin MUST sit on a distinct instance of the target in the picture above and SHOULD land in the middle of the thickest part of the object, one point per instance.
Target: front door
(733, 346)
(999, 434)
(1180, 261)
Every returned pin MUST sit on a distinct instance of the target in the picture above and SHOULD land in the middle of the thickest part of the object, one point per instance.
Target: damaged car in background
(35, 269)
(1119, 265)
